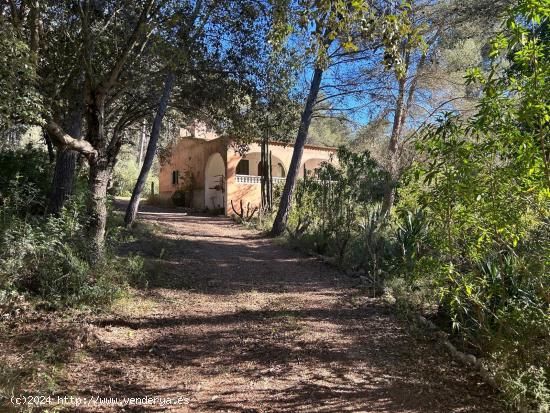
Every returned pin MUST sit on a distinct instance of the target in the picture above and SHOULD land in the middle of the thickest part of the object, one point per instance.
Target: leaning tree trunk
(65, 166)
(141, 142)
(279, 224)
(133, 206)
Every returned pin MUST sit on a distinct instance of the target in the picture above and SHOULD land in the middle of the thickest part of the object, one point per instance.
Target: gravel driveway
(233, 322)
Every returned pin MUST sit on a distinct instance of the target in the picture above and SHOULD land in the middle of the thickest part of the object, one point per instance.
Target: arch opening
(251, 164)
(309, 166)
(277, 168)
(214, 182)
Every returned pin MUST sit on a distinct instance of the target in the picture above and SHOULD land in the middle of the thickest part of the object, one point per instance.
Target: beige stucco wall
(251, 193)
(189, 155)
(198, 130)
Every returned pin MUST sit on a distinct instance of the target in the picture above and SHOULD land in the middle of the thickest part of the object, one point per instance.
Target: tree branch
(112, 77)
(65, 141)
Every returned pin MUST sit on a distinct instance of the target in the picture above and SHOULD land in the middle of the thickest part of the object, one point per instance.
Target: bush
(336, 213)
(45, 257)
(125, 175)
(484, 192)
(25, 179)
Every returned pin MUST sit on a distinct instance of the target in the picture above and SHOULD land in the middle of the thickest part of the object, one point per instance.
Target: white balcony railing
(249, 179)
(256, 180)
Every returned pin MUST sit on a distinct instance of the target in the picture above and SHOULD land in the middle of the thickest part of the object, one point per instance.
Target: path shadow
(376, 367)
(310, 357)
(223, 263)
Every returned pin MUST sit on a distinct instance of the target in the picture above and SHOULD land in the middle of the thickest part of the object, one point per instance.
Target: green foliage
(329, 207)
(321, 23)
(373, 247)
(19, 100)
(304, 211)
(399, 34)
(125, 176)
(411, 234)
(373, 137)
(44, 257)
(346, 193)
(484, 191)
(329, 132)
(25, 178)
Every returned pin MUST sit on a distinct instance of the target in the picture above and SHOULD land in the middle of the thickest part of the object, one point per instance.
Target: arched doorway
(214, 182)
(310, 165)
(277, 168)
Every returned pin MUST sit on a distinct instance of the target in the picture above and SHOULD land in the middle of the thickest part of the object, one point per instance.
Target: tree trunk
(402, 110)
(279, 224)
(100, 173)
(98, 178)
(65, 165)
(100, 157)
(63, 179)
(133, 206)
(141, 143)
(389, 184)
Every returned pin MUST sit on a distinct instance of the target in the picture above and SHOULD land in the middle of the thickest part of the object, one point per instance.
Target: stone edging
(466, 359)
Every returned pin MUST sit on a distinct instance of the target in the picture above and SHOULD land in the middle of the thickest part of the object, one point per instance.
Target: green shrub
(25, 179)
(44, 257)
(125, 175)
(328, 207)
(484, 190)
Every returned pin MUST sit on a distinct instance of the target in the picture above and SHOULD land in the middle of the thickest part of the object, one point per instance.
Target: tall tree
(438, 42)
(326, 26)
(102, 75)
(133, 205)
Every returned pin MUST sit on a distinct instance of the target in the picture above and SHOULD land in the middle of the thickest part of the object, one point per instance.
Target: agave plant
(374, 244)
(412, 234)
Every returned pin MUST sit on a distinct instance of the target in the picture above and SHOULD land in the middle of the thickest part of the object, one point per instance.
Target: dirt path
(236, 323)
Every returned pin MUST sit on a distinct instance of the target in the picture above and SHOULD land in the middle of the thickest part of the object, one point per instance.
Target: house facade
(208, 172)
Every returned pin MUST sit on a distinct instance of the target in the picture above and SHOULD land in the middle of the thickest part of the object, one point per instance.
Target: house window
(243, 167)
(175, 177)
